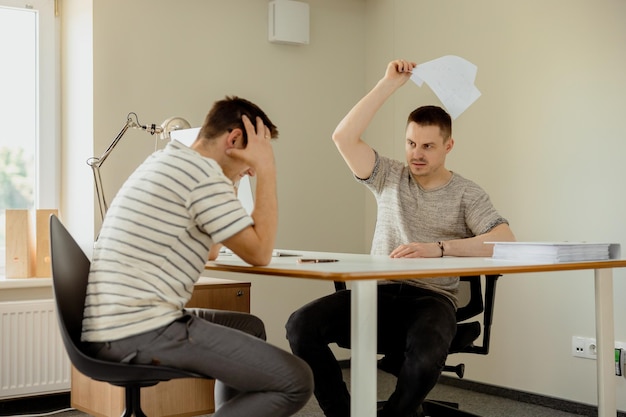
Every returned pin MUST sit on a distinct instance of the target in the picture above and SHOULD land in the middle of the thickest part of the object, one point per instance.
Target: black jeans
(415, 329)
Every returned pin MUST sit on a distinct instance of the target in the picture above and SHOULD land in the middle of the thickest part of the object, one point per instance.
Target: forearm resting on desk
(475, 246)
(215, 251)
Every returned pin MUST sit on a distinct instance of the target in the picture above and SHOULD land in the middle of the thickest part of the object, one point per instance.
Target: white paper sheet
(244, 194)
(452, 79)
(185, 136)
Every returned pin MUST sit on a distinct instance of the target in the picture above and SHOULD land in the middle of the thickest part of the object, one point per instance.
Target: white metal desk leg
(364, 325)
(605, 342)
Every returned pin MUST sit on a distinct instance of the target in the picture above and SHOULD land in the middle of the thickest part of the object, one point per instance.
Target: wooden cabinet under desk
(180, 397)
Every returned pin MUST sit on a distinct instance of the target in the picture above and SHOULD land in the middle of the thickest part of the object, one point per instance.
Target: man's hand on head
(258, 153)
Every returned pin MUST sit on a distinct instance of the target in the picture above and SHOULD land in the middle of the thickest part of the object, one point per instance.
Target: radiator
(33, 360)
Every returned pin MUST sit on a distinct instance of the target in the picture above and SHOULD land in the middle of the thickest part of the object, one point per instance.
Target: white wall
(77, 201)
(544, 139)
(160, 58)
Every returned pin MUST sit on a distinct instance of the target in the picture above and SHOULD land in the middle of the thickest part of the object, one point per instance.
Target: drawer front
(234, 298)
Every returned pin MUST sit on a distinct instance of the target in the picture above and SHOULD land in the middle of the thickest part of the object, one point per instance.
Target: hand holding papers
(452, 79)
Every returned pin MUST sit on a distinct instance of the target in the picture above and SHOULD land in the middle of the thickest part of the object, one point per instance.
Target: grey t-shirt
(407, 213)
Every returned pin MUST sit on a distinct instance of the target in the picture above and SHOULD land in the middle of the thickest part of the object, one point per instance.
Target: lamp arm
(97, 180)
(96, 162)
(163, 132)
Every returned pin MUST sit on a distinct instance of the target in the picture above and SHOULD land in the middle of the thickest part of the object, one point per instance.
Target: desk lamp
(132, 121)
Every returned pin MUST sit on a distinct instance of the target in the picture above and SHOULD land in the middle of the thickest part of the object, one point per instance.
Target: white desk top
(365, 268)
(362, 266)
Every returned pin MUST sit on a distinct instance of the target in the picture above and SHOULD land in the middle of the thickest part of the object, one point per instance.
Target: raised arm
(347, 135)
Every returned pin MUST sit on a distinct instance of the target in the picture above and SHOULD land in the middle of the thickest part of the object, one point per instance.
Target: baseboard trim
(515, 395)
(35, 405)
(526, 397)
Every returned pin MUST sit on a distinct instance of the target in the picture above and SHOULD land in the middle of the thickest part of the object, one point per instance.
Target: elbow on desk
(257, 259)
(258, 263)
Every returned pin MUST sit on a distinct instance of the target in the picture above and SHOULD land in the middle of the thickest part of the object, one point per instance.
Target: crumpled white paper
(452, 79)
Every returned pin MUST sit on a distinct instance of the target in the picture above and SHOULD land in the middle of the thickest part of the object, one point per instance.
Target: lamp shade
(173, 123)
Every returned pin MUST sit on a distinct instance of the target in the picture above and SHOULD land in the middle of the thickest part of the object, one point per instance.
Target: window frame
(47, 155)
(48, 125)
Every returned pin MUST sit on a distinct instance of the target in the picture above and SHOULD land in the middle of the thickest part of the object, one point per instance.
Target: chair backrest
(470, 298)
(471, 304)
(70, 273)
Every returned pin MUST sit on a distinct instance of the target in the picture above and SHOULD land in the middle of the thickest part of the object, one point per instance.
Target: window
(29, 140)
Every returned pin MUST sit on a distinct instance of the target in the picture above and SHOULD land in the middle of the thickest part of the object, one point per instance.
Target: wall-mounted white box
(288, 22)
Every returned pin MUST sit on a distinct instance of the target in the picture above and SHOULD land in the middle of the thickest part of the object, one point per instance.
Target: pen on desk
(315, 261)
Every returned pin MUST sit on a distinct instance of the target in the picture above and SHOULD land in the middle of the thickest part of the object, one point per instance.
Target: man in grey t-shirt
(424, 211)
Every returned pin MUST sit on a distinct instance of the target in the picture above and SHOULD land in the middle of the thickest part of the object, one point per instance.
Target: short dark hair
(432, 116)
(225, 115)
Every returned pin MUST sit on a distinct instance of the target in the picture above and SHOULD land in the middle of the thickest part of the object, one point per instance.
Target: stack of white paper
(551, 251)
(452, 79)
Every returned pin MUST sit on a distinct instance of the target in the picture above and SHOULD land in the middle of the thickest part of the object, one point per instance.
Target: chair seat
(466, 334)
(122, 374)
(147, 375)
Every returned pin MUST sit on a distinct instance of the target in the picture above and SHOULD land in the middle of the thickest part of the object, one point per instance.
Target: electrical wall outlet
(585, 347)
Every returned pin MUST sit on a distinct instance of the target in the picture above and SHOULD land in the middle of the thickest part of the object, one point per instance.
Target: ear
(233, 137)
(449, 144)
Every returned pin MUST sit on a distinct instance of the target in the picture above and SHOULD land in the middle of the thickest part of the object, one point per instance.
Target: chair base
(435, 408)
(133, 402)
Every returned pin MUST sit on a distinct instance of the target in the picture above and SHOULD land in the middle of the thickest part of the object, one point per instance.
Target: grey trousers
(253, 378)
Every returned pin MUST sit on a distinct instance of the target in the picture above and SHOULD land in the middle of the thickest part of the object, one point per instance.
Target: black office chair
(70, 270)
(471, 304)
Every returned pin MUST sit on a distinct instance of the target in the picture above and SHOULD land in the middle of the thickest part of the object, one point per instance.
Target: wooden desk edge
(210, 282)
(417, 274)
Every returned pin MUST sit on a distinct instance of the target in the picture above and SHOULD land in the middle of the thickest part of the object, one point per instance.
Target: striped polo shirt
(155, 240)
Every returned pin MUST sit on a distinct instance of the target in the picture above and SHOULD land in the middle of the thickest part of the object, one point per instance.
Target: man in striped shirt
(171, 215)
